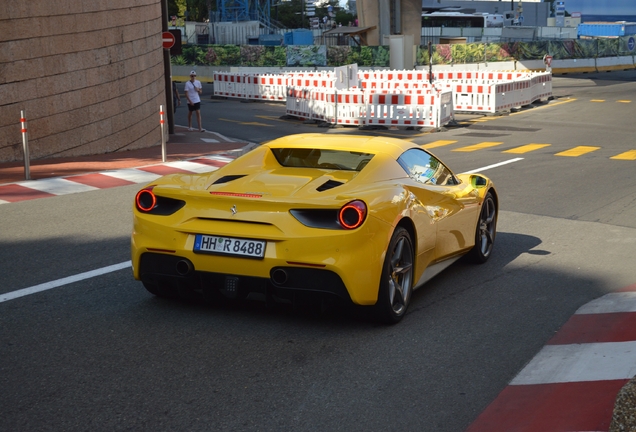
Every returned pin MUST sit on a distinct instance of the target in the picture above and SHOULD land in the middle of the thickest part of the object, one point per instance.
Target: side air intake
(228, 178)
(329, 184)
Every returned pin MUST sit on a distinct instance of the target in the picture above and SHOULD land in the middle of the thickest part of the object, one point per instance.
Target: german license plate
(229, 246)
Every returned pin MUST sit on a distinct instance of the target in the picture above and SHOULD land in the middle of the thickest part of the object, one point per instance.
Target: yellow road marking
(526, 148)
(628, 155)
(542, 107)
(624, 101)
(597, 100)
(577, 151)
(269, 117)
(246, 123)
(479, 146)
(438, 143)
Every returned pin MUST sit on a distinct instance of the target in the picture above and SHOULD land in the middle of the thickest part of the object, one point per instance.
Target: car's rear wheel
(486, 230)
(396, 284)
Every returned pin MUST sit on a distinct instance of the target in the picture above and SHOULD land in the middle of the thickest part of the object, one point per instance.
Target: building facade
(89, 75)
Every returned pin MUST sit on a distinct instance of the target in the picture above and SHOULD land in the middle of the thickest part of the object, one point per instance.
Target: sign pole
(163, 134)
(25, 146)
(430, 62)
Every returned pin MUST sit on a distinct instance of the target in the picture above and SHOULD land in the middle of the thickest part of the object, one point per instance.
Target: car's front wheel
(396, 284)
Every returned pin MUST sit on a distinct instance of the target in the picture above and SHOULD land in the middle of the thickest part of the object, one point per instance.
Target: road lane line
(493, 166)
(64, 281)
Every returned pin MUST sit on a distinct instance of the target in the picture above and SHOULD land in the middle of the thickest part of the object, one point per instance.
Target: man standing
(192, 91)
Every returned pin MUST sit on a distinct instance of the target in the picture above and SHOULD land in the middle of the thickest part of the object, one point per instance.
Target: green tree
(193, 10)
(289, 14)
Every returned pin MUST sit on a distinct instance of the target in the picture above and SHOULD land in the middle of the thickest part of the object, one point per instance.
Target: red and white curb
(572, 383)
(33, 189)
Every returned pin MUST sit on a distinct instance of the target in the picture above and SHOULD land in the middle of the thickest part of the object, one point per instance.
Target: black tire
(486, 231)
(396, 283)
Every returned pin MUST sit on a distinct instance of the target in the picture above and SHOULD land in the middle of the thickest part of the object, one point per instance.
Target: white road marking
(57, 186)
(132, 175)
(223, 137)
(191, 166)
(136, 176)
(493, 166)
(580, 362)
(611, 303)
(209, 140)
(64, 281)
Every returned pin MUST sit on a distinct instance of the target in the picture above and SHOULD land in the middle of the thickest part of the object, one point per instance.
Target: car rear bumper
(285, 282)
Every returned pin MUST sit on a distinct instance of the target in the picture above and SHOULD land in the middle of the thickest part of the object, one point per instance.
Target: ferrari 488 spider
(313, 216)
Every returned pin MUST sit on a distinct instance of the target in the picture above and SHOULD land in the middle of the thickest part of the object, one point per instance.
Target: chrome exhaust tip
(184, 267)
(279, 277)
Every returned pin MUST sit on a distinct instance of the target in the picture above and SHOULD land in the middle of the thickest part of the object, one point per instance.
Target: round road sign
(168, 40)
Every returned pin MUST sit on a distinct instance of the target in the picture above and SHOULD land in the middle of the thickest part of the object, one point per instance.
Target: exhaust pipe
(279, 276)
(184, 267)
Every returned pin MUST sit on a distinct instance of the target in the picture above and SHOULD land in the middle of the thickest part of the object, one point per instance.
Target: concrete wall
(378, 13)
(89, 74)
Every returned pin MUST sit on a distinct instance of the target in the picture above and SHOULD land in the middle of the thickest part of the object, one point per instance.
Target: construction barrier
(431, 110)
(312, 95)
(270, 87)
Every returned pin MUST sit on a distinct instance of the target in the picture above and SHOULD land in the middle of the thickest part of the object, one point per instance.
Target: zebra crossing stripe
(577, 151)
(479, 146)
(438, 143)
(526, 148)
(628, 155)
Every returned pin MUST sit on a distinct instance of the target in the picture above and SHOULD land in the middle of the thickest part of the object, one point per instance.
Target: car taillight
(352, 214)
(146, 200)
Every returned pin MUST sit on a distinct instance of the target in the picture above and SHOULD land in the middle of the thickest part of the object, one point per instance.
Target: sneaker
(202, 130)
(190, 129)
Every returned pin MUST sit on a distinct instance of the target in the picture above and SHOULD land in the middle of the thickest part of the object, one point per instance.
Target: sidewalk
(185, 152)
(182, 145)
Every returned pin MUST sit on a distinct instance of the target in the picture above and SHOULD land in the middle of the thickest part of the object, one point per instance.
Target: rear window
(320, 158)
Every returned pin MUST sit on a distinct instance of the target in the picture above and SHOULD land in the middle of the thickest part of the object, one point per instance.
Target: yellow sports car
(311, 217)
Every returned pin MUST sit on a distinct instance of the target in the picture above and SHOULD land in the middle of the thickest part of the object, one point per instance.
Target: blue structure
(245, 10)
(299, 37)
(606, 29)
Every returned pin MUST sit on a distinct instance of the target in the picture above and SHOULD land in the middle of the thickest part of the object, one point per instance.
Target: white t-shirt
(191, 91)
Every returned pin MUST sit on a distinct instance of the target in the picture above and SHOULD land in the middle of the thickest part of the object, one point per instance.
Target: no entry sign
(168, 40)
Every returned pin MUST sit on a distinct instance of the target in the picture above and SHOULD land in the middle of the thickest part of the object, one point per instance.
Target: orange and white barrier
(298, 103)
(430, 110)
(349, 108)
(270, 87)
(312, 95)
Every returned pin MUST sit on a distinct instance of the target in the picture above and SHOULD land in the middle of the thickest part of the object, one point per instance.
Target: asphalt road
(103, 354)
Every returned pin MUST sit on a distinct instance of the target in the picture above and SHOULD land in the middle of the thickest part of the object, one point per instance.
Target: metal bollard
(25, 146)
(163, 134)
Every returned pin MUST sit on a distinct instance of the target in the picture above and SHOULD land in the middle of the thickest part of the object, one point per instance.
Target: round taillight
(146, 200)
(352, 214)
